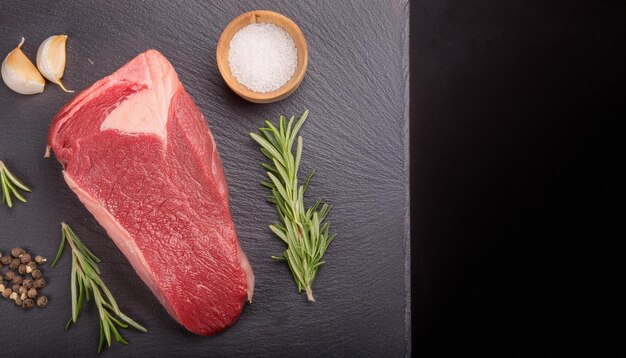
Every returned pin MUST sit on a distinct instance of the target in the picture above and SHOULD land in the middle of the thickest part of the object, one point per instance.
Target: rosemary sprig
(11, 186)
(87, 284)
(301, 229)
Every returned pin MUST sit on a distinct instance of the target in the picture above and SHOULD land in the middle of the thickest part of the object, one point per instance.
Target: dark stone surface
(356, 139)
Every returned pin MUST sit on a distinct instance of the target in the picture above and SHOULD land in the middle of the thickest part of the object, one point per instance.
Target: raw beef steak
(137, 151)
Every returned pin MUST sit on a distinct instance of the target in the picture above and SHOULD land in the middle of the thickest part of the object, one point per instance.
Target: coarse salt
(262, 57)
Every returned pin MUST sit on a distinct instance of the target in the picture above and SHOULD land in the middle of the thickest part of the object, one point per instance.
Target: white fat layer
(146, 112)
(247, 269)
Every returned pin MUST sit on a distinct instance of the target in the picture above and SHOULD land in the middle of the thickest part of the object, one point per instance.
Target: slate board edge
(407, 177)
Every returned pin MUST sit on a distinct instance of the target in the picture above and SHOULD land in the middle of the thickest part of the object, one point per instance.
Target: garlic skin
(19, 73)
(51, 59)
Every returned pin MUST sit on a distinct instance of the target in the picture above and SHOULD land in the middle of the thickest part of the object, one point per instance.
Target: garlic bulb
(51, 59)
(19, 73)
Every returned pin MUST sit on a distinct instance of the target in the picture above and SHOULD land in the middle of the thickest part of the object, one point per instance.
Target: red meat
(137, 151)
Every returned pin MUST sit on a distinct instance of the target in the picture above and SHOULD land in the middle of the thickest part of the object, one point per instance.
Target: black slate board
(356, 139)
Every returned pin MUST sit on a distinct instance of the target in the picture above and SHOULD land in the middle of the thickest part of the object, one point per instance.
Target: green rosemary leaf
(280, 204)
(315, 225)
(81, 290)
(298, 157)
(16, 193)
(269, 135)
(81, 245)
(308, 180)
(73, 288)
(11, 186)
(6, 182)
(85, 277)
(119, 337)
(275, 132)
(294, 263)
(15, 181)
(101, 344)
(61, 247)
(108, 295)
(118, 322)
(306, 239)
(267, 184)
(87, 288)
(296, 128)
(290, 124)
(271, 150)
(278, 185)
(324, 231)
(324, 211)
(330, 239)
(281, 234)
(6, 197)
(280, 168)
(107, 328)
(270, 168)
(132, 322)
(266, 153)
(281, 125)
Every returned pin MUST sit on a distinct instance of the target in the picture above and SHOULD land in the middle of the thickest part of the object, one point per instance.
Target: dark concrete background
(517, 142)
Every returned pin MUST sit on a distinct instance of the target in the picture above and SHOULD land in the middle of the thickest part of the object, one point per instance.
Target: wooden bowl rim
(260, 97)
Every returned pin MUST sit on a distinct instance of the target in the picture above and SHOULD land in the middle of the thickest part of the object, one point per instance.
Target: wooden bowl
(263, 16)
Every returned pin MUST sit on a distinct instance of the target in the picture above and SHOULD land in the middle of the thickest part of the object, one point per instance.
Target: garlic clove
(19, 73)
(51, 59)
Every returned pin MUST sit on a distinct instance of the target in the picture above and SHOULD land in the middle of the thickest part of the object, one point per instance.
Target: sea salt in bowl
(265, 17)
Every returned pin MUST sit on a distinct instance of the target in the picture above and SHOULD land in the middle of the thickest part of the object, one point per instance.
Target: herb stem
(302, 230)
(84, 277)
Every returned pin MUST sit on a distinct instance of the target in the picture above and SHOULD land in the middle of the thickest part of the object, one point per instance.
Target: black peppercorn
(39, 283)
(42, 301)
(25, 258)
(32, 293)
(36, 273)
(28, 283)
(18, 279)
(23, 291)
(17, 251)
(28, 303)
(6, 260)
